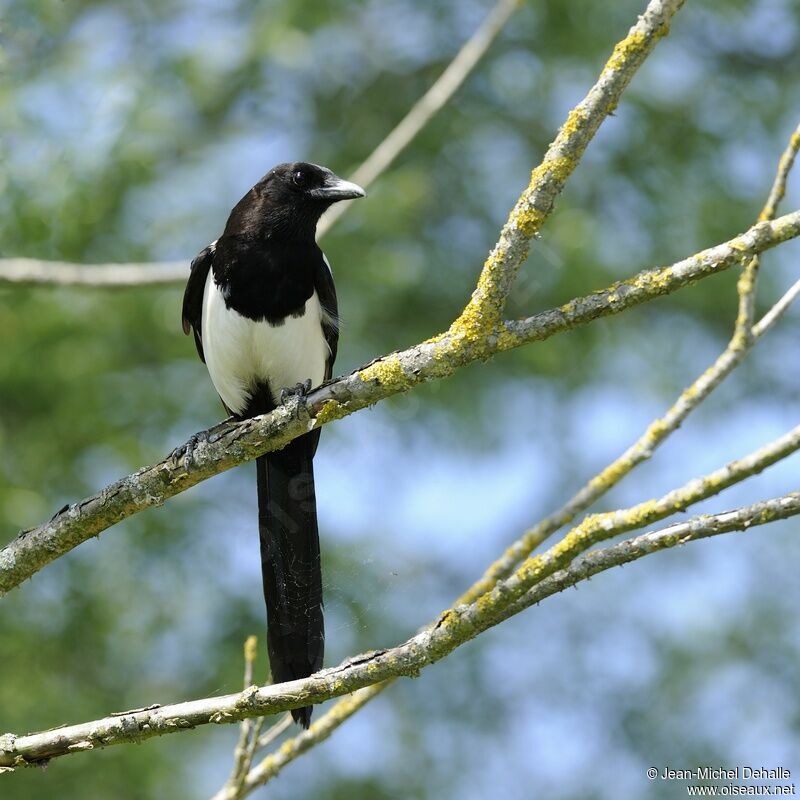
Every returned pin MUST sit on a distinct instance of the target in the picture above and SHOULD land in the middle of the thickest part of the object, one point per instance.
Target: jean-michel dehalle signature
(733, 774)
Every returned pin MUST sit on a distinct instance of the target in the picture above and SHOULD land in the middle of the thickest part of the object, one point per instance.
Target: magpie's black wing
(326, 292)
(192, 315)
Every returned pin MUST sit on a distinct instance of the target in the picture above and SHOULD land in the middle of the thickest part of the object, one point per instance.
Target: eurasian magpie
(261, 304)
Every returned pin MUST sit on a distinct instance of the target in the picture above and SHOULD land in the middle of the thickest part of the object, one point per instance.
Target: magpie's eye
(299, 178)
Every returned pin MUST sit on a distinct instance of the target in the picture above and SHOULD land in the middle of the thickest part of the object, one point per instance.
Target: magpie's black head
(289, 200)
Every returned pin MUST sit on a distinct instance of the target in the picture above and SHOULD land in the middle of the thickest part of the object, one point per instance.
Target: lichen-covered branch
(249, 728)
(652, 283)
(641, 450)
(464, 342)
(598, 486)
(748, 280)
(479, 332)
(525, 220)
(31, 271)
(600, 527)
(745, 335)
(485, 308)
(531, 539)
(233, 443)
(581, 569)
(454, 627)
(700, 527)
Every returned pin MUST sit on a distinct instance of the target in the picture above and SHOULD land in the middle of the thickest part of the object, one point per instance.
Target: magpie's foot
(299, 391)
(185, 452)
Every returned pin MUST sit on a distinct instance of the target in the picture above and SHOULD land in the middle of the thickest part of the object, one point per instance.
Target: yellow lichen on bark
(331, 410)
(484, 310)
(632, 45)
(388, 372)
(526, 217)
(576, 119)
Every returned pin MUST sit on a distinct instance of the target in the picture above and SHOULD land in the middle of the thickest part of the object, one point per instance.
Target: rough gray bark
(230, 444)
(453, 628)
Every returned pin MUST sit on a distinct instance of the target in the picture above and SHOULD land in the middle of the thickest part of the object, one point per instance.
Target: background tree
(120, 119)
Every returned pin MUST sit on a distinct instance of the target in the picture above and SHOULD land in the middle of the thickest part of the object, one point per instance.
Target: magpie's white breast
(242, 354)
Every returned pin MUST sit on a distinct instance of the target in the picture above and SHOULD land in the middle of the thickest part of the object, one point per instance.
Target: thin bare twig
(743, 335)
(37, 272)
(275, 731)
(241, 763)
(234, 787)
(777, 311)
(319, 731)
(423, 111)
(31, 271)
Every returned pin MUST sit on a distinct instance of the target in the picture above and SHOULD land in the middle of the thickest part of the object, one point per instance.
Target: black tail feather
(290, 563)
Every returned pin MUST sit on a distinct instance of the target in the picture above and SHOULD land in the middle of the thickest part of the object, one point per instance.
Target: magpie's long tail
(290, 563)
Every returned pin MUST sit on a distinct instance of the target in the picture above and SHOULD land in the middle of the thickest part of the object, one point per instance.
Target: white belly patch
(241, 353)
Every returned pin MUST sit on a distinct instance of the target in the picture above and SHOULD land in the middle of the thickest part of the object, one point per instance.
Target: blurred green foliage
(129, 131)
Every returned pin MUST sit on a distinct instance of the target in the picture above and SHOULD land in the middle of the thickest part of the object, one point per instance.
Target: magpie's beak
(335, 189)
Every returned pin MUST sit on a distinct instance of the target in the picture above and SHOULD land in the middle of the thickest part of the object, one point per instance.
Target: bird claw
(299, 390)
(185, 452)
